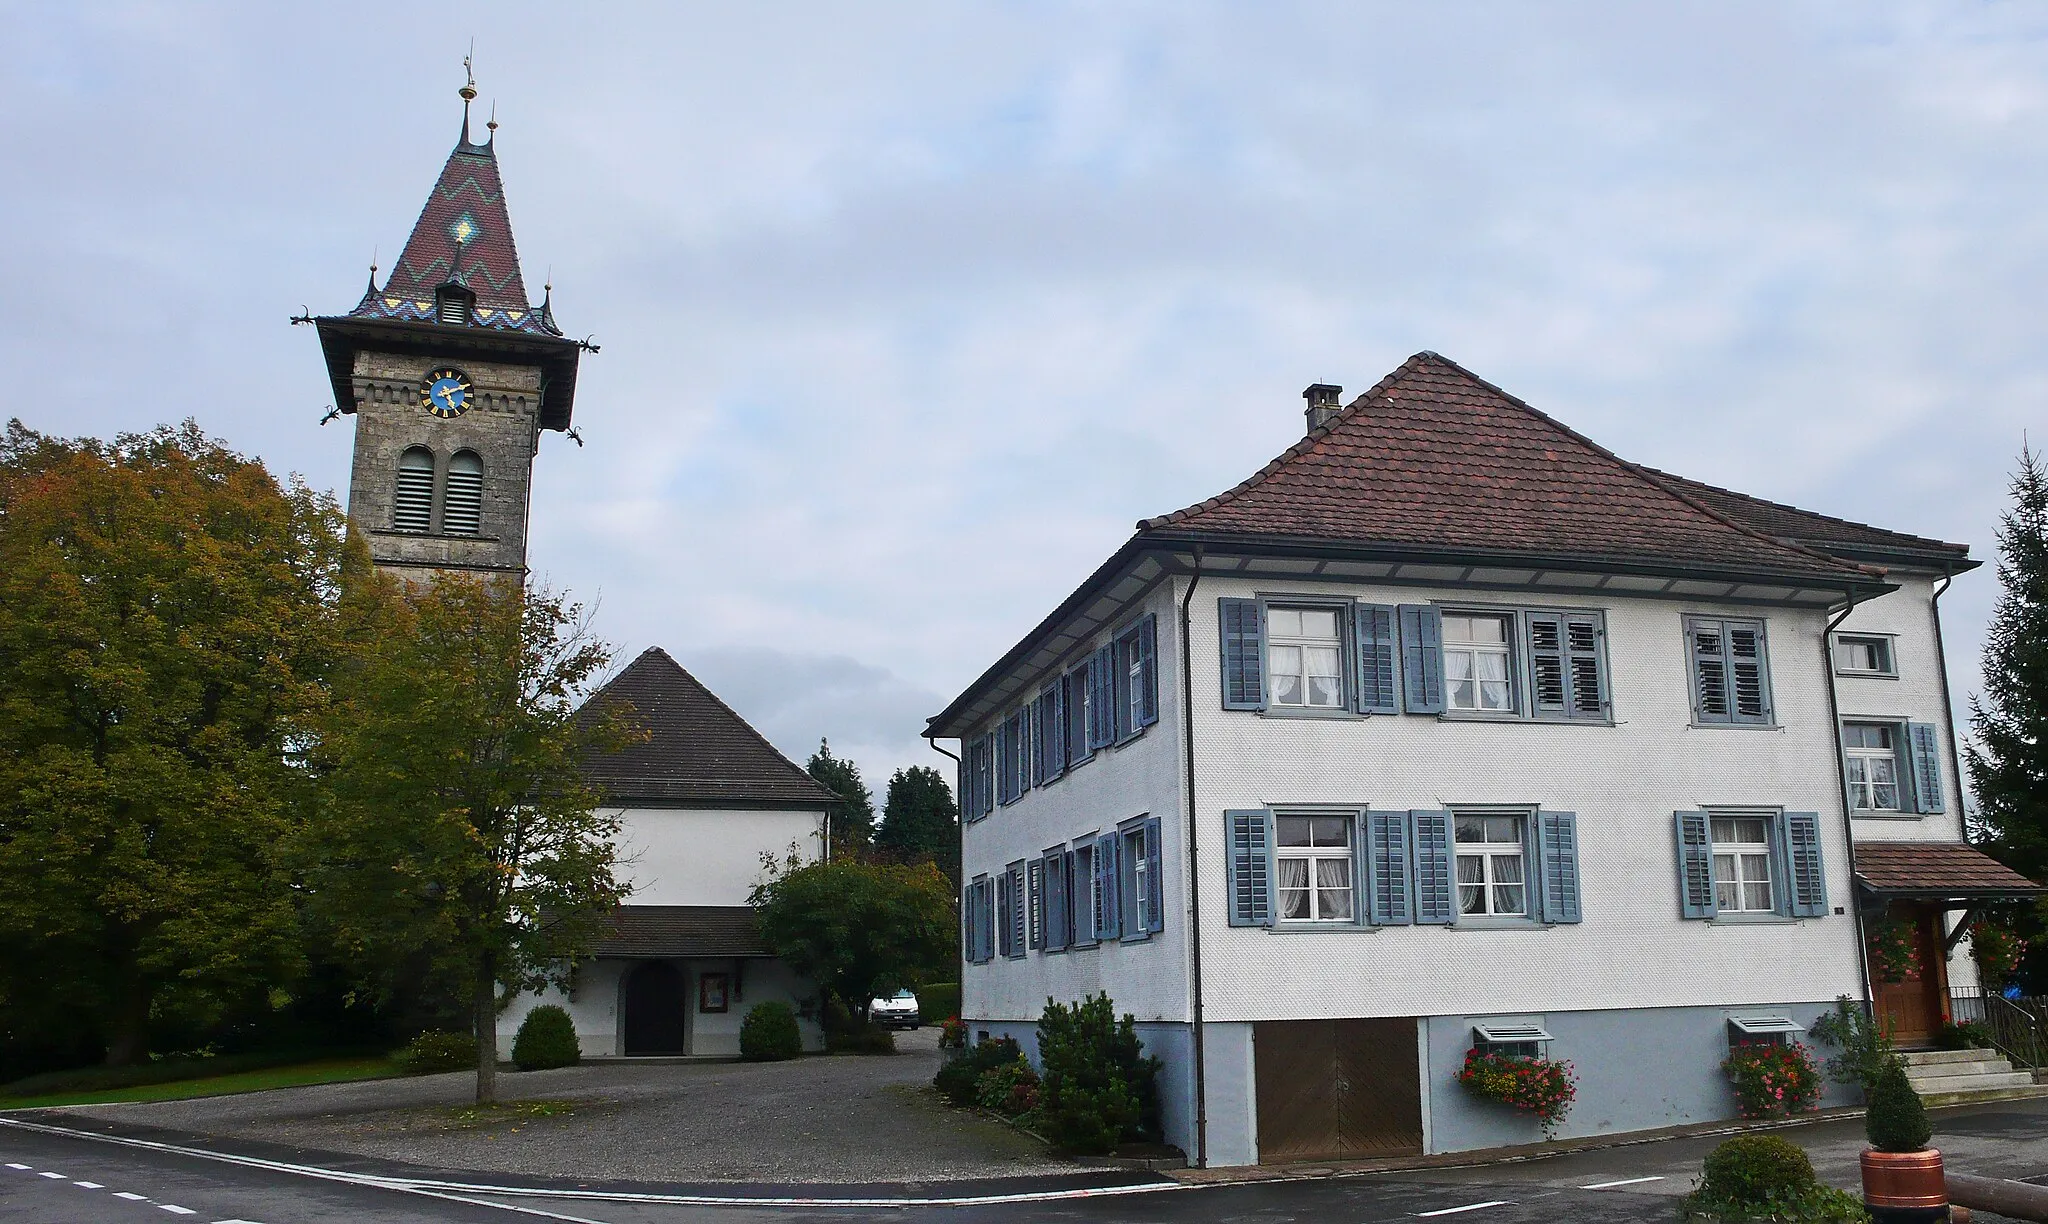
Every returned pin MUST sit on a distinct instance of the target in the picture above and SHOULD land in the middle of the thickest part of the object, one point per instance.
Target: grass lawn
(318, 1071)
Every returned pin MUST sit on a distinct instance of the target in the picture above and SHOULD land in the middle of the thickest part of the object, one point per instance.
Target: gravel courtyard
(837, 1118)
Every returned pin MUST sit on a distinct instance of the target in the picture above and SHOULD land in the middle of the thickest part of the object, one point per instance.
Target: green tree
(920, 821)
(858, 929)
(853, 821)
(459, 825)
(2009, 761)
(167, 615)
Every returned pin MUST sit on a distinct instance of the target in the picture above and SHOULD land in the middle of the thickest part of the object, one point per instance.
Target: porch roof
(678, 931)
(1934, 870)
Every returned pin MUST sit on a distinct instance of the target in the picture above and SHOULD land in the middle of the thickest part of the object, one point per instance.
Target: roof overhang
(343, 336)
(1153, 556)
(1933, 561)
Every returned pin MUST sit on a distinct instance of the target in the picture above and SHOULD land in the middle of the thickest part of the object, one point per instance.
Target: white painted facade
(708, 856)
(1632, 957)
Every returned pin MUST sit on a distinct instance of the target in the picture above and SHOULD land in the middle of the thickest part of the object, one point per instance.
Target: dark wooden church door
(1335, 1089)
(654, 1003)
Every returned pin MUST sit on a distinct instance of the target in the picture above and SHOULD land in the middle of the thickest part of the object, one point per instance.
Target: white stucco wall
(697, 856)
(596, 1005)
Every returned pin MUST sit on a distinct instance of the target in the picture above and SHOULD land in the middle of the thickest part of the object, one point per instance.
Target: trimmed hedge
(547, 1039)
(938, 1002)
(769, 1033)
(874, 1039)
(437, 1051)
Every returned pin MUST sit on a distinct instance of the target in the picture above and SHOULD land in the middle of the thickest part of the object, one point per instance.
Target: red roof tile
(1804, 526)
(683, 930)
(1436, 458)
(1935, 867)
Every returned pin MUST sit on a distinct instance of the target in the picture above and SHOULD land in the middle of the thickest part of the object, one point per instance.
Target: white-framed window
(1864, 655)
(1305, 657)
(1136, 886)
(1492, 864)
(1742, 865)
(1313, 861)
(1477, 662)
(1871, 755)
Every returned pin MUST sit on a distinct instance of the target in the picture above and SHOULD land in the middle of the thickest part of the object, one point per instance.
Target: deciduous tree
(167, 616)
(459, 824)
(859, 929)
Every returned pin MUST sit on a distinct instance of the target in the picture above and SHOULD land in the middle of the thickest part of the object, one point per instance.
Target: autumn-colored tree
(167, 615)
(456, 820)
(859, 929)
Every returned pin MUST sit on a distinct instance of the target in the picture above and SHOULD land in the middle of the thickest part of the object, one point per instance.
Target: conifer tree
(920, 820)
(853, 822)
(2009, 760)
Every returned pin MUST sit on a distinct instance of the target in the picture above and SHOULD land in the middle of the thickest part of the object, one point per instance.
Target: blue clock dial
(445, 393)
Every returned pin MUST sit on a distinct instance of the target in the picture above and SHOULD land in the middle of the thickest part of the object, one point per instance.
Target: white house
(1450, 727)
(700, 801)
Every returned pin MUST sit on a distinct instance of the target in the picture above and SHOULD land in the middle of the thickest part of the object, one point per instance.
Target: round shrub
(959, 1077)
(437, 1051)
(1894, 1119)
(547, 1038)
(769, 1033)
(1757, 1171)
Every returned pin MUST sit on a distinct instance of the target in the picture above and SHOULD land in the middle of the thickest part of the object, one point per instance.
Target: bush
(1773, 1081)
(874, 1039)
(1010, 1089)
(1894, 1119)
(769, 1033)
(437, 1051)
(952, 1034)
(1969, 1035)
(1865, 1047)
(1097, 1086)
(1763, 1177)
(938, 1001)
(958, 1079)
(547, 1039)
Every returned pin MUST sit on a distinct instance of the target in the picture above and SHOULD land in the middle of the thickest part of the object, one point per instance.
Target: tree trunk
(486, 1007)
(128, 1027)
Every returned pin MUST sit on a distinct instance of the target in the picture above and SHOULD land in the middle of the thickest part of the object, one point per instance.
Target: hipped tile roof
(1804, 526)
(683, 930)
(1933, 867)
(698, 751)
(1435, 458)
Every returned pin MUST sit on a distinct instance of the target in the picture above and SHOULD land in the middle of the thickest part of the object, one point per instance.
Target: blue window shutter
(1422, 658)
(1586, 668)
(1549, 689)
(1055, 699)
(1379, 669)
(967, 924)
(1243, 633)
(1557, 853)
(988, 915)
(1003, 903)
(1249, 841)
(1075, 685)
(1023, 762)
(1923, 747)
(1749, 669)
(1102, 697)
(1387, 875)
(1707, 646)
(1148, 670)
(1034, 902)
(1435, 894)
(1806, 881)
(1155, 900)
(1018, 927)
(1055, 901)
(1695, 865)
(1106, 872)
(1005, 745)
(1122, 651)
(1034, 721)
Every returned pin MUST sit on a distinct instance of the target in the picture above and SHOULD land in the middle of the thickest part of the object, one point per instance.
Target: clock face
(445, 393)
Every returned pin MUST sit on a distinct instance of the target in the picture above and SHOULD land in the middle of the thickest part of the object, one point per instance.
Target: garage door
(1337, 1089)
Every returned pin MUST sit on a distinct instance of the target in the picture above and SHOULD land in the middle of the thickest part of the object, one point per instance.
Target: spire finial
(468, 90)
(493, 124)
(373, 270)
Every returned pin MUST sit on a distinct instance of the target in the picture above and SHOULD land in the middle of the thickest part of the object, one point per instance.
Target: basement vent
(1497, 1034)
(462, 506)
(1753, 1026)
(412, 505)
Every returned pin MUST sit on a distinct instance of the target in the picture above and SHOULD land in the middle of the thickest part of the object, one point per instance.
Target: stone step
(1938, 1084)
(1997, 1066)
(1994, 1094)
(1924, 1058)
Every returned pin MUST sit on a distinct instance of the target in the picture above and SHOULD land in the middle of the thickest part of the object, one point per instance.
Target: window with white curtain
(1313, 862)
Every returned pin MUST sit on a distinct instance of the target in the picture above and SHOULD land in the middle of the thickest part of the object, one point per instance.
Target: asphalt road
(61, 1178)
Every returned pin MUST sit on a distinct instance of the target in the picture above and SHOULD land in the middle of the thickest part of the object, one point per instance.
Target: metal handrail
(2014, 1027)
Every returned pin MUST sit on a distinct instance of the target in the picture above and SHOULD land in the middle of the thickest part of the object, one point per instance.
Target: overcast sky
(909, 311)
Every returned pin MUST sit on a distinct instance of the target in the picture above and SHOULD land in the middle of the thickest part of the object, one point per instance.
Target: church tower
(451, 375)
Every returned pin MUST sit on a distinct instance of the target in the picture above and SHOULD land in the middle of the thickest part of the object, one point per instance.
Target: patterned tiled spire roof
(464, 234)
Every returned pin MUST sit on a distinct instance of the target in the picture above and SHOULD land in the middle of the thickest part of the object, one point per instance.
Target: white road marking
(1444, 1211)
(174, 1209)
(88, 1185)
(1626, 1181)
(234, 1222)
(131, 1197)
(12, 1165)
(58, 1176)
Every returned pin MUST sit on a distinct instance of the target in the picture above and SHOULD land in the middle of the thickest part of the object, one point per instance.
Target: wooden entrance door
(654, 1001)
(1337, 1089)
(1914, 1008)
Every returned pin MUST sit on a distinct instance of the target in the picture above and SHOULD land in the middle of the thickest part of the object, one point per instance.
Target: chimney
(1322, 404)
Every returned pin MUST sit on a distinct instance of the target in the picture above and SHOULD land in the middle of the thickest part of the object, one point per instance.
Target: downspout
(1187, 714)
(1955, 752)
(1827, 660)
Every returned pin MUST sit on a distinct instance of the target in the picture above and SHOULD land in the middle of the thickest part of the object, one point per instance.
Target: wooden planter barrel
(1905, 1187)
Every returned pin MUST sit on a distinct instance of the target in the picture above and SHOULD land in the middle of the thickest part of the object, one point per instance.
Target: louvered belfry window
(412, 506)
(462, 505)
